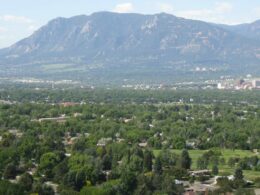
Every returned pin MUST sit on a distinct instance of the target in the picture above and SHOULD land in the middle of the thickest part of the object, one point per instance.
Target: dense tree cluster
(110, 148)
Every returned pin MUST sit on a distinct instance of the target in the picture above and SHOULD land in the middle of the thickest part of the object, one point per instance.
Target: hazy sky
(20, 18)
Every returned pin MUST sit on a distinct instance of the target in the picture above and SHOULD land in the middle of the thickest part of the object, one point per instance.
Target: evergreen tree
(202, 163)
(215, 170)
(128, 182)
(26, 181)
(148, 160)
(106, 162)
(239, 174)
(185, 159)
(158, 166)
(238, 178)
(10, 171)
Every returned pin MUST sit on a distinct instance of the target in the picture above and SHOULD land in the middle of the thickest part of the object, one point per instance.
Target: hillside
(121, 46)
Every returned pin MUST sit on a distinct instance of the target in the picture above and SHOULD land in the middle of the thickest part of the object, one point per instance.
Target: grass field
(60, 68)
(226, 153)
(55, 66)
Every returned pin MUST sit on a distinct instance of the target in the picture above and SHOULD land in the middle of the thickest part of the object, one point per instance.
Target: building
(61, 119)
(256, 83)
(104, 141)
(68, 104)
(200, 173)
(143, 144)
(16, 132)
(52, 185)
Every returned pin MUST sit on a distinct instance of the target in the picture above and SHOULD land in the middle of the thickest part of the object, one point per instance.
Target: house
(104, 141)
(200, 173)
(32, 171)
(191, 144)
(178, 182)
(16, 180)
(5, 102)
(73, 140)
(143, 144)
(77, 115)
(200, 188)
(127, 120)
(107, 173)
(189, 191)
(120, 140)
(52, 185)
(158, 134)
(68, 104)
(69, 140)
(16, 132)
(61, 119)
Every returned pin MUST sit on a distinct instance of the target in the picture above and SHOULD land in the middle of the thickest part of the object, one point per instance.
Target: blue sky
(20, 18)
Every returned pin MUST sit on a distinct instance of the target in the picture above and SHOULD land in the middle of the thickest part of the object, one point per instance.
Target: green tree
(75, 179)
(47, 162)
(169, 186)
(158, 166)
(46, 190)
(7, 140)
(93, 191)
(242, 191)
(185, 159)
(7, 188)
(238, 174)
(128, 182)
(148, 160)
(26, 181)
(225, 185)
(136, 163)
(107, 162)
(145, 185)
(202, 163)
(215, 170)
(10, 171)
(60, 170)
(238, 178)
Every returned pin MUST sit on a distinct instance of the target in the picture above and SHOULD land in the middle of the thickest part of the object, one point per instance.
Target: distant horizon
(19, 19)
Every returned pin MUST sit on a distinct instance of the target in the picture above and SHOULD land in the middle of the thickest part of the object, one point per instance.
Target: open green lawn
(226, 153)
(55, 66)
(60, 68)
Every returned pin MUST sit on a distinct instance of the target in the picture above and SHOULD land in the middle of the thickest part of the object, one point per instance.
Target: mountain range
(111, 47)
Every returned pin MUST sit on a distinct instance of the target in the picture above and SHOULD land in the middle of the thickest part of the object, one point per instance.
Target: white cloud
(32, 28)
(14, 28)
(195, 14)
(215, 14)
(16, 19)
(3, 29)
(124, 8)
(223, 7)
(256, 12)
(165, 7)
